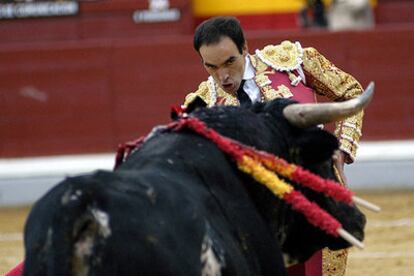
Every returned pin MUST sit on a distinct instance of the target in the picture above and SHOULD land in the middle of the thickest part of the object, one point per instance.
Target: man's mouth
(227, 86)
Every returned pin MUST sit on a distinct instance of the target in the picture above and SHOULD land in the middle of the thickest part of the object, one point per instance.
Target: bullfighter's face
(224, 63)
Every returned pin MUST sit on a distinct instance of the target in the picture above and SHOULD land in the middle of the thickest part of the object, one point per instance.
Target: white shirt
(250, 86)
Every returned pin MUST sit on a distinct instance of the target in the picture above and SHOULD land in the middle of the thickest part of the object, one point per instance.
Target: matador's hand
(339, 158)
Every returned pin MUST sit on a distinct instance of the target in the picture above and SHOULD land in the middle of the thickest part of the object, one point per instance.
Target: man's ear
(195, 104)
(316, 146)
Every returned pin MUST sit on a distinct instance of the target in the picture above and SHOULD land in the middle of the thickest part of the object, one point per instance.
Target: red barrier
(82, 87)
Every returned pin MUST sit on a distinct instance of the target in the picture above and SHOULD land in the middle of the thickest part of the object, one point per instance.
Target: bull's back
(110, 224)
(168, 210)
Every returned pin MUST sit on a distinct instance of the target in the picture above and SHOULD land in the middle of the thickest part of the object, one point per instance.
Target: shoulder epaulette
(285, 57)
(204, 92)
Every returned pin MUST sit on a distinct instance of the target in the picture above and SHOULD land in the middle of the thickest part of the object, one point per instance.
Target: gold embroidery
(269, 94)
(353, 132)
(349, 132)
(334, 262)
(229, 99)
(282, 92)
(353, 126)
(257, 64)
(264, 83)
(262, 79)
(202, 92)
(212, 95)
(286, 56)
(294, 80)
(329, 81)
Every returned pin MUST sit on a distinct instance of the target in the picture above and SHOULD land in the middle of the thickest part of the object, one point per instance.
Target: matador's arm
(328, 80)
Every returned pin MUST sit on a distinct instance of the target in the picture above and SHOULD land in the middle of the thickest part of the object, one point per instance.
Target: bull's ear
(257, 107)
(316, 146)
(195, 104)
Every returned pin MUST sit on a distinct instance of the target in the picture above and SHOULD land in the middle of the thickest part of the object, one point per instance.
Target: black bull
(180, 206)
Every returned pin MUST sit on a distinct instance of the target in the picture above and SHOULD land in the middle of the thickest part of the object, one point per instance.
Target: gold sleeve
(329, 81)
(202, 92)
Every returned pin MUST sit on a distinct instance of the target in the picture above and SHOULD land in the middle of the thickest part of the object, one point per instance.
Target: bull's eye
(294, 153)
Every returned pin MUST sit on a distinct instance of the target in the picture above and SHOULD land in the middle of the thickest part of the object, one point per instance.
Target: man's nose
(223, 74)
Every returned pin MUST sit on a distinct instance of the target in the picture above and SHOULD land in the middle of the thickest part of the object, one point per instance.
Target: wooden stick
(349, 238)
(368, 205)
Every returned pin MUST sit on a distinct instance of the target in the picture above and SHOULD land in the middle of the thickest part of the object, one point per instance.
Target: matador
(285, 70)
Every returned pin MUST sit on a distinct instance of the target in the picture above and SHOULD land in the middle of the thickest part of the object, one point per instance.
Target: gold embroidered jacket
(300, 64)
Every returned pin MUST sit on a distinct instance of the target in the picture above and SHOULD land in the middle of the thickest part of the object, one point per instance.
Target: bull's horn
(312, 114)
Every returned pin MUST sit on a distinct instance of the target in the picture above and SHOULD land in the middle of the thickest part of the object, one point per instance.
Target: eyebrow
(227, 60)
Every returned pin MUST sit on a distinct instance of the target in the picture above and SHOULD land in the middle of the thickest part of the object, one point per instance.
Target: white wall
(380, 165)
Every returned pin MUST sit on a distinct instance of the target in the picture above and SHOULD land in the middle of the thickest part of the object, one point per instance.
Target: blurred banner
(206, 8)
(158, 11)
(36, 8)
(259, 14)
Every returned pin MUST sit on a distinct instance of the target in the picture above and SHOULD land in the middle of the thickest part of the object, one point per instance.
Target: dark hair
(212, 30)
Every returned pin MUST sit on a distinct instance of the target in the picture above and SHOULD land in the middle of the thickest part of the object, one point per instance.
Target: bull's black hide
(179, 206)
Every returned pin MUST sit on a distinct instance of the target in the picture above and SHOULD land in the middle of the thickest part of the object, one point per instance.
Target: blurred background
(77, 78)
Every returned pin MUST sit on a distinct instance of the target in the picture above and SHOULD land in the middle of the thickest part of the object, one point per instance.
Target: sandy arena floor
(389, 237)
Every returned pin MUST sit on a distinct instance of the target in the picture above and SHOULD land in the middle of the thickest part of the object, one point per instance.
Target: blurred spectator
(313, 14)
(350, 15)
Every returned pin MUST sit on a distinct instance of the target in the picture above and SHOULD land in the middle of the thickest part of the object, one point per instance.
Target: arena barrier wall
(379, 166)
(87, 96)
